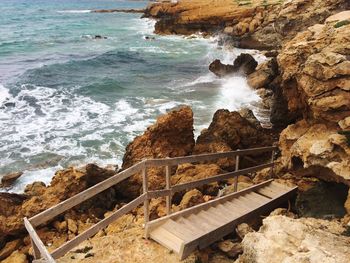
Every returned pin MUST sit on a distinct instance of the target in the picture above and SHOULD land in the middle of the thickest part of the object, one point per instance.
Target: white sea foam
(74, 11)
(235, 93)
(4, 94)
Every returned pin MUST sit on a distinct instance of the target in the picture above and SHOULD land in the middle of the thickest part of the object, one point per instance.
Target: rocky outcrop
(230, 131)
(284, 239)
(316, 149)
(65, 184)
(315, 71)
(171, 136)
(244, 64)
(8, 179)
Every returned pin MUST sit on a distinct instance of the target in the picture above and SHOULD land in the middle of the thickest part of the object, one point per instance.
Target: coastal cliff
(308, 80)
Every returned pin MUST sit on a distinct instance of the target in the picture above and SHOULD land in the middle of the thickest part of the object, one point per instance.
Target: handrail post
(145, 191)
(168, 187)
(273, 163)
(235, 187)
(36, 251)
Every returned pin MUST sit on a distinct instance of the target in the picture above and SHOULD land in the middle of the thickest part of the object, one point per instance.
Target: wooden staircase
(199, 226)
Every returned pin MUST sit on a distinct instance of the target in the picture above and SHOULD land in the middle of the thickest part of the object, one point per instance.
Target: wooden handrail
(220, 177)
(40, 249)
(206, 157)
(84, 195)
(61, 251)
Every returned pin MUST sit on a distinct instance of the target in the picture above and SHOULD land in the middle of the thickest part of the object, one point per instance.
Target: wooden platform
(201, 225)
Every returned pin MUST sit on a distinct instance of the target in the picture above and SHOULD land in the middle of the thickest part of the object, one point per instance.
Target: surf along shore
(305, 85)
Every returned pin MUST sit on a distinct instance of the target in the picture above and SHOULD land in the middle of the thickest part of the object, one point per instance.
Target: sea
(68, 98)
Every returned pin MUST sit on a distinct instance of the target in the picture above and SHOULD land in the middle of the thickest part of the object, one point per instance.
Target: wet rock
(220, 69)
(171, 136)
(245, 63)
(230, 131)
(8, 179)
(249, 116)
(284, 239)
(263, 75)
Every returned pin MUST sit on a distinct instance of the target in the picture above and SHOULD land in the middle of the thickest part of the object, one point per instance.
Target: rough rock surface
(283, 239)
(230, 131)
(315, 69)
(64, 184)
(171, 136)
(318, 149)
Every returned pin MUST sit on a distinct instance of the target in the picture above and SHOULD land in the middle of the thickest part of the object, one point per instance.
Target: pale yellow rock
(339, 17)
(288, 240)
(16, 257)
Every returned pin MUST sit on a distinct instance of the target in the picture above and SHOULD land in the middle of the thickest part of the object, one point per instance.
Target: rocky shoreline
(305, 85)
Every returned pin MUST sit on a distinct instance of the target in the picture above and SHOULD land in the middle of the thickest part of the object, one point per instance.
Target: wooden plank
(266, 192)
(202, 224)
(206, 157)
(167, 239)
(159, 193)
(168, 185)
(209, 218)
(82, 196)
(61, 251)
(228, 211)
(220, 232)
(37, 241)
(178, 230)
(214, 215)
(145, 190)
(235, 184)
(257, 198)
(238, 205)
(205, 205)
(221, 177)
(188, 224)
(219, 212)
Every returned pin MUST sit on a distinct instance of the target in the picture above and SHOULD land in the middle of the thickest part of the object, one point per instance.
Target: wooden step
(189, 224)
(167, 239)
(202, 224)
(179, 230)
(268, 192)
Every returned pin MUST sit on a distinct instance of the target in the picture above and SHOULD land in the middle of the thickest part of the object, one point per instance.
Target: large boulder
(244, 64)
(318, 149)
(171, 136)
(284, 239)
(315, 69)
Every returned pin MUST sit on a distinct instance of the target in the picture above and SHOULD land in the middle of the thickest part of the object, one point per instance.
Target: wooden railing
(39, 248)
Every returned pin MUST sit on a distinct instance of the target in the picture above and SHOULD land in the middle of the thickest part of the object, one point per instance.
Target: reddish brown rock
(8, 179)
(171, 136)
(230, 131)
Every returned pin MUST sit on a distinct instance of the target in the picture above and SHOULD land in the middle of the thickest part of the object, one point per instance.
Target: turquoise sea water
(68, 99)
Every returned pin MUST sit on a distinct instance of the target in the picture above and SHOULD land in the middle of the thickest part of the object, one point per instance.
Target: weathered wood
(159, 193)
(273, 162)
(61, 251)
(235, 186)
(223, 230)
(192, 210)
(168, 187)
(88, 193)
(145, 190)
(220, 177)
(206, 157)
(37, 241)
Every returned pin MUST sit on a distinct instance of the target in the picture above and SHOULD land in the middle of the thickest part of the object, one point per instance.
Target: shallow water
(68, 99)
